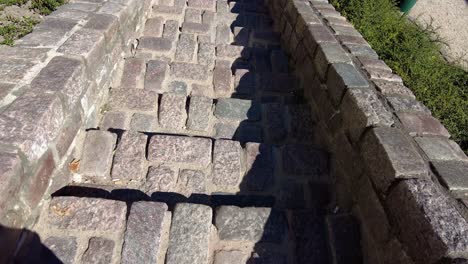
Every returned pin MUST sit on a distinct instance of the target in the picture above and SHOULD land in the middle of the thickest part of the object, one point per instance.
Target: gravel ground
(450, 17)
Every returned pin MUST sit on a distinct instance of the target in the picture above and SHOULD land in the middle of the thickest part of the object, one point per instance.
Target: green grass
(12, 2)
(16, 29)
(413, 52)
(46, 7)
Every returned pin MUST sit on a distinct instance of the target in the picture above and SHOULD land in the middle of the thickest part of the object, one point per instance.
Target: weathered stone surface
(14, 70)
(156, 71)
(407, 104)
(275, 127)
(196, 28)
(64, 248)
(237, 109)
(250, 224)
(69, 83)
(192, 181)
(329, 53)
(206, 53)
(178, 87)
(205, 4)
(49, 33)
(393, 88)
(87, 214)
(222, 79)
(185, 48)
(39, 180)
(179, 149)
(129, 160)
(260, 166)
(97, 154)
(231, 51)
(390, 155)
(422, 125)
(223, 34)
(291, 195)
(171, 29)
(454, 175)
(100, 250)
(226, 163)
(172, 114)
(143, 122)
(200, 112)
(300, 160)
(343, 232)
(133, 72)
(133, 99)
(189, 71)
(230, 257)
(154, 27)
(341, 77)
(142, 239)
(160, 179)
(155, 44)
(114, 120)
(437, 148)
(189, 235)
(301, 123)
(426, 221)
(11, 174)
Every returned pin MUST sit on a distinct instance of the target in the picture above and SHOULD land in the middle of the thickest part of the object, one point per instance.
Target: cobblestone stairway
(205, 154)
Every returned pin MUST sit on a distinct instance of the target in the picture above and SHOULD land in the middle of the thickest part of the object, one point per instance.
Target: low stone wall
(51, 86)
(394, 164)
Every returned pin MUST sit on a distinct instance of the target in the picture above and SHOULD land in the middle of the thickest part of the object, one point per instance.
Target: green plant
(12, 2)
(46, 7)
(413, 52)
(16, 28)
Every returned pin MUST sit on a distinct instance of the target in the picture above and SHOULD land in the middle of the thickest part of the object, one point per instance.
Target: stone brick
(69, 83)
(204, 4)
(179, 149)
(154, 27)
(206, 53)
(277, 82)
(200, 112)
(33, 54)
(178, 87)
(453, 175)
(342, 77)
(129, 160)
(172, 113)
(160, 179)
(64, 248)
(155, 44)
(185, 48)
(343, 232)
(202, 90)
(437, 148)
(362, 108)
(241, 36)
(426, 221)
(390, 155)
(301, 123)
(133, 99)
(11, 175)
(143, 122)
(248, 132)
(133, 73)
(97, 154)
(299, 160)
(231, 51)
(383, 75)
(227, 164)
(237, 109)
(407, 104)
(422, 125)
(192, 181)
(171, 29)
(316, 34)
(144, 232)
(230, 257)
(392, 88)
(189, 71)
(279, 61)
(195, 28)
(190, 234)
(114, 120)
(192, 15)
(156, 72)
(49, 33)
(266, 253)
(87, 214)
(39, 180)
(244, 82)
(100, 250)
(260, 167)
(223, 34)
(222, 79)
(329, 53)
(225, 130)
(252, 224)
(31, 122)
(291, 195)
(14, 70)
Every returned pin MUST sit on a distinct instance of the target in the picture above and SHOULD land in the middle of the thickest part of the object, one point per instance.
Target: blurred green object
(406, 5)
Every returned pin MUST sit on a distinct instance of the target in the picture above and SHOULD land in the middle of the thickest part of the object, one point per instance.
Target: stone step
(96, 230)
(297, 175)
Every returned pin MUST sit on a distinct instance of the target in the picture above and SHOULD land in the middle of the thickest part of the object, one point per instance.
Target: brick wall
(394, 164)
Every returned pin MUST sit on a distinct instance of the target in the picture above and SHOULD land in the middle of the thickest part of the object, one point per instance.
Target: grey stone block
(154, 27)
(200, 112)
(195, 28)
(437, 148)
(144, 232)
(100, 250)
(275, 128)
(227, 165)
(393, 88)
(454, 175)
(222, 80)
(87, 214)
(178, 87)
(237, 109)
(390, 155)
(179, 149)
(343, 231)
(189, 71)
(426, 221)
(160, 179)
(133, 99)
(302, 160)
(230, 257)
(422, 125)
(133, 72)
(98, 150)
(231, 51)
(260, 167)
(206, 53)
(341, 77)
(328, 53)
(49, 33)
(252, 224)
(185, 48)
(114, 120)
(192, 181)
(190, 234)
(156, 73)
(129, 160)
(14, 70)
(172, 113)
(11, 171)
(407, 104)
(143, 122)
(64, 248)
